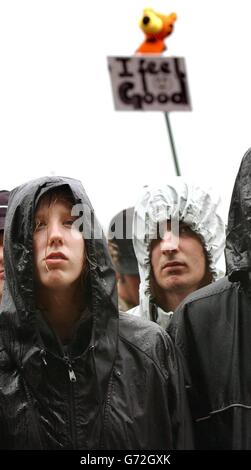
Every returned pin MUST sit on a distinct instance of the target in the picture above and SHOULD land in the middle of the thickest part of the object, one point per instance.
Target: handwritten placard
(149, 83)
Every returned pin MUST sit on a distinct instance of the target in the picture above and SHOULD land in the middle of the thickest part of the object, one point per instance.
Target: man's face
(1, 265)
(181, 266)
(58, 247)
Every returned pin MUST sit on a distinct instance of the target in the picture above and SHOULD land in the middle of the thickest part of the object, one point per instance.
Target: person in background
(4, 196)
(178, 238)
(124, 260)
(213, 328)
(74, 373)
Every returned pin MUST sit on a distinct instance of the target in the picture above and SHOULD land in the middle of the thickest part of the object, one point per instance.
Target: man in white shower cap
(178, 238)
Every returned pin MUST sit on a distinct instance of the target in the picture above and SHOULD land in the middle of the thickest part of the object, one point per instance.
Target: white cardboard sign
(149, 83)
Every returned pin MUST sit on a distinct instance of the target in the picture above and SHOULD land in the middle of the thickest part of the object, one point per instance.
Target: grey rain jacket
(120, 383)
(188, 203)
(213, 330)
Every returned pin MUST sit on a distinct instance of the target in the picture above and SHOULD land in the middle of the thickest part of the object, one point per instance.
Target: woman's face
(58, 246)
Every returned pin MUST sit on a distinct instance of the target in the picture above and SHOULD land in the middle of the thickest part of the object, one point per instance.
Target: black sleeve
(178, 400)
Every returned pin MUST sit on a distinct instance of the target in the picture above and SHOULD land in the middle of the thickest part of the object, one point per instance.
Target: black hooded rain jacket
(213, 330)
(119, 385)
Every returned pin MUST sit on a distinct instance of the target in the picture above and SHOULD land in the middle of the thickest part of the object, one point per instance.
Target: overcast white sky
(56, 107)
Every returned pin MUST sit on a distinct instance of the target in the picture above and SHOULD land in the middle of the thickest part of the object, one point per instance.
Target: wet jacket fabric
(187, 203)
(117, 385)
(213, 329)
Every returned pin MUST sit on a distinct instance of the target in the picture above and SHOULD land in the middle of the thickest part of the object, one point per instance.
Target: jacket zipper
(72, 378)
(71, 372)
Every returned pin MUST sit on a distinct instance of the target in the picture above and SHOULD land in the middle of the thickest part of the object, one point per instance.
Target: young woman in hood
(74, 374)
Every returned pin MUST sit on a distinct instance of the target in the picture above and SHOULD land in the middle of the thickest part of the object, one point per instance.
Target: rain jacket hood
(189, 204)
(18, 242)
(238, 240)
